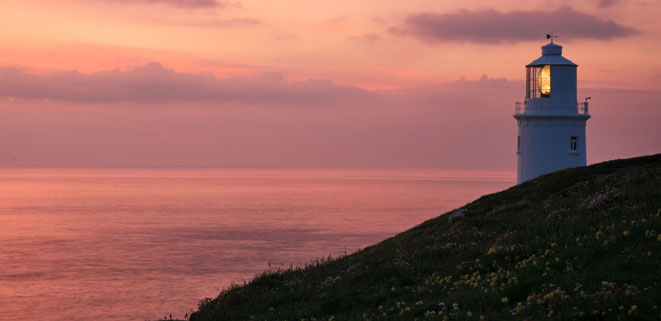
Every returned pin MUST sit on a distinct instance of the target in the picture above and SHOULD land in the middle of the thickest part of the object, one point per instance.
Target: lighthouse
(551, 121)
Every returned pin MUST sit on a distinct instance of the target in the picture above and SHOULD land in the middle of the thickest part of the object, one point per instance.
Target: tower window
(573, 143)
(538, 82)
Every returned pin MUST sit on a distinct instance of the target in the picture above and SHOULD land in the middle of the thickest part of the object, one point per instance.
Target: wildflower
(419, 303)
(455, 306)
(392, 289)
(441, 304)
(625, 233)
(658, 238)
(331, 318)
(505, 300)
(608, 284)
(470, 314)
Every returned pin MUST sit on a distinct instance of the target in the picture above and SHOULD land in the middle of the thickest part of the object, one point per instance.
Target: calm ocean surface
(139, 244)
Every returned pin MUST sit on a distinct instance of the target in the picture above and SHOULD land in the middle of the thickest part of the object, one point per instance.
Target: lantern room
(551, 76)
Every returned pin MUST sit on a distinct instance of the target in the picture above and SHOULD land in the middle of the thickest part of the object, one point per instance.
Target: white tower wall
(545, 145)
(563, 83)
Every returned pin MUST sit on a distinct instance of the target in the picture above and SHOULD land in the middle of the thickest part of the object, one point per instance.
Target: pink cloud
(367, 37)
(151, 115)
(153, 83)
(495, 27)
(180, 3)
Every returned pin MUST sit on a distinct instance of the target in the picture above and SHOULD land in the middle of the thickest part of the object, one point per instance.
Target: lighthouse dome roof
(552, 55)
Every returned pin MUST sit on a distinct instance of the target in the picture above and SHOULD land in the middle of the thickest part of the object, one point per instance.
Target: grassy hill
(578, 244)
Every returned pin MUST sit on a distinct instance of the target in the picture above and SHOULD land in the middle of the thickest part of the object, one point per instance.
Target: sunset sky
(357, 84)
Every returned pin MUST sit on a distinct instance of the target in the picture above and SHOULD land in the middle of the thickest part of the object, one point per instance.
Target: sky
(416, 84)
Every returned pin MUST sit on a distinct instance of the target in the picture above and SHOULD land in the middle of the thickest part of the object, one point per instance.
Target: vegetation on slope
(578, 244)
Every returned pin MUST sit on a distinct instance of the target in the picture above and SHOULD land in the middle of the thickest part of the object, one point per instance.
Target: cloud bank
(494, 27)
(180, 3)
(460, 125)
(153, 83)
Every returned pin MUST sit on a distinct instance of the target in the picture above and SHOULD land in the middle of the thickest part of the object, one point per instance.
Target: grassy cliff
(578, 244)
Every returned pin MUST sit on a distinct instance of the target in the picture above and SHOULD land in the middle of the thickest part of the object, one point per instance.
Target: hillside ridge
(577, 244)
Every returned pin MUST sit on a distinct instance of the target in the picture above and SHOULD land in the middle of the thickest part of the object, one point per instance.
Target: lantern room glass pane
(545, 81)
(538, 82)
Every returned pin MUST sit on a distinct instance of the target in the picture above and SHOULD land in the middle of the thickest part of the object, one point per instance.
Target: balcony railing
(551, 107)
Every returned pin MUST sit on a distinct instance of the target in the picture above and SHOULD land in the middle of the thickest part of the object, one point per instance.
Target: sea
(150, 243)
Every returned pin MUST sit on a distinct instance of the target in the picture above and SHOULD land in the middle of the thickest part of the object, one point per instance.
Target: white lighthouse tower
(551, 121)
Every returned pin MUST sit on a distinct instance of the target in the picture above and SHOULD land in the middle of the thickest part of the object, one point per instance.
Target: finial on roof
(551, 36)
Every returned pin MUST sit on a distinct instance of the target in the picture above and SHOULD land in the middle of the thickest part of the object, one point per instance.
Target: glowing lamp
(545, 81)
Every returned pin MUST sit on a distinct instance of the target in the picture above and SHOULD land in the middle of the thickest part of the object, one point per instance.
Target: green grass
(578, 244)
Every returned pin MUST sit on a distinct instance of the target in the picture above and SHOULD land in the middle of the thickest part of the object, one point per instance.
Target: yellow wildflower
(505, 300)
(625, 233)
